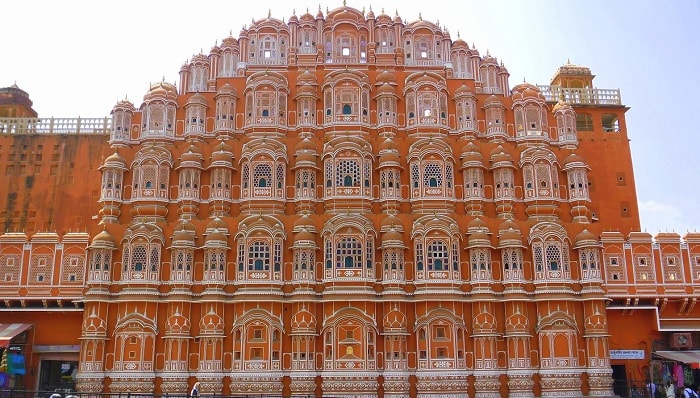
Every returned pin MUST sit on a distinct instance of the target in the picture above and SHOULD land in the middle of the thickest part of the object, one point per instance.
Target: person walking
(195, 390)
(670, 389)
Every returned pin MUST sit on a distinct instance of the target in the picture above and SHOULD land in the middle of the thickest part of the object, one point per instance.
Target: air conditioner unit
(681, 340)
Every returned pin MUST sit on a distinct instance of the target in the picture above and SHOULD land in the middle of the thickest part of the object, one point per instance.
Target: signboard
(626, 354)
(56, 348)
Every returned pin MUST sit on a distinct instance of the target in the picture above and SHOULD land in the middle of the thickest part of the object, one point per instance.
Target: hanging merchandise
(15, 364)
(3, 362)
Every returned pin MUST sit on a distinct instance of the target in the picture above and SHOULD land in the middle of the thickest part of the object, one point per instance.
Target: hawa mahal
(343, 204)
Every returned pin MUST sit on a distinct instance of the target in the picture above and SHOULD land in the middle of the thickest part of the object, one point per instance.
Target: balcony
(13, 125)
(582, 96)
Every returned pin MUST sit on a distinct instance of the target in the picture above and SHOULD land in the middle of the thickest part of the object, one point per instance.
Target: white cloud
(657, 216)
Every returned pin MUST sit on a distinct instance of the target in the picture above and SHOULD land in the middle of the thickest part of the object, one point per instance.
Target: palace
(343, 204)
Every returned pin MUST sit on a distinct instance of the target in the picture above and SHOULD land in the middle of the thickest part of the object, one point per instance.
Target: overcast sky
(78, 58)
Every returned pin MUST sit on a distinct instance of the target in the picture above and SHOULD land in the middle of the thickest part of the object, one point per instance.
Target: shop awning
(680, 356)
(10, 330)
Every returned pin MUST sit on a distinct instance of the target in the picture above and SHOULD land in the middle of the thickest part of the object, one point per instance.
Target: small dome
(177, 324)
(304, 222)
(517, 323)
(471, 157)
(94, 325)
(385, 89)
(388, 145)
(115, 160)
(561, 106)
(199, 59)
(500, 158)
(305, 145)
(222, 155)
(463, 90)
(183, 238)
(389, 158)
(477, 225)
(229, 42)
(478, 239)
(459, 44)
(390, 222)
(386, 77)
(307, 90)
(395, 321)
(305, 158)
(307, 17)
(191, 155)
(304, 236)
(163, 91)
(573, 159)
(484, 322)
(307, 77)
(585, 239)
(595, 323)
(211, 324)
(215, 237)
(491, 101)
(303, 321)
(509, 235)
(124, 106)
(103, 240)
(392, 236)
(217, 224)
(226, 89)
(526, 90)
(197, 99)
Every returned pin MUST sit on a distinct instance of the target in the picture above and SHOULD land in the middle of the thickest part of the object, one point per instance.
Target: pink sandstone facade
(345, 204)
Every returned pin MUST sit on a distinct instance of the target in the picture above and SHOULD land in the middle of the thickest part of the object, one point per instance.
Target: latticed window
(512, 263)
(41, 268)
(503, 178)
(489, 78)
(245, 176)
(259, 256)
(347, 173)
(265, 104)
(347, 101)
(551, 260)
(262, 175)
(214, 260)
(268, 49)
(432, 175)
(437, 255)
(305, 184)
(10, 268)
(199, 75)
(420, 255)
(389, 184)
(494, 120)
(220, 183)
(590, 267)
(386, 41)
(229, 62)
(480, 259)
(578, 184)
(427, 107)
(181, 265)
(348, 253)
(72, 268)
(141, 261)
(304, 264)
(112, 184)
(473, 183)
(279, 176)
(466, 114)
